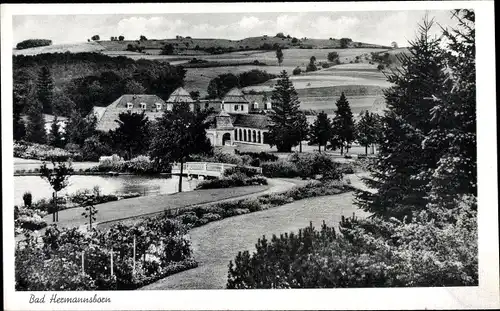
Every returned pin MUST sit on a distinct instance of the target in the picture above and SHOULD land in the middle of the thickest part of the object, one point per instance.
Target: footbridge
(205, 169)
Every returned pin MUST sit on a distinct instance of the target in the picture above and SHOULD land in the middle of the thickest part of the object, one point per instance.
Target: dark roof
(136, 100)
(235, 96)
(180, 95)
(257, 121)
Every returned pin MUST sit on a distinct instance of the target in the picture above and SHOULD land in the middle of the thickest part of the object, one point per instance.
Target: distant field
(61, 48)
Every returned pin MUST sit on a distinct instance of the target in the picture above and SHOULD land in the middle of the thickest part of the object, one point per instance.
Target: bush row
(304, 166)
(370, 252)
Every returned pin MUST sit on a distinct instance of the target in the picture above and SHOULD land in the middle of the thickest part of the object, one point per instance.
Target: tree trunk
(319, 147)
(57, 208)
(366, 149)
(180, 176)
(54, 207)
(300, 146)
(341, 150)
(130, 153)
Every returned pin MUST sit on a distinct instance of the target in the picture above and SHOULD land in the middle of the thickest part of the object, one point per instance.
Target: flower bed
(28, 219)
(303, 165)
(27, 150)
(198, 216)
(161, 249)
(234, 177)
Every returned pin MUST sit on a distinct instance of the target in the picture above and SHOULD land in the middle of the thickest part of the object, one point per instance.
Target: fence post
(83, 262)
(134, 256)
(111, 262)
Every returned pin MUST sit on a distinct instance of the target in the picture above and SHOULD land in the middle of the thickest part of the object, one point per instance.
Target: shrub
(296, 71)
(380, 67)
(280, 168)
(188, 218)
(212, 217)
(27, 150)
(140, 164)
(325, 65)
(27, 199)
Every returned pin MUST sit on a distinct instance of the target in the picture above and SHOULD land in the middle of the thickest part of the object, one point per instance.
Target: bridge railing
(208, 167)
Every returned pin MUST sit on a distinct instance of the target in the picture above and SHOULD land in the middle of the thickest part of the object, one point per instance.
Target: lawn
(151, 204)
(216, 243)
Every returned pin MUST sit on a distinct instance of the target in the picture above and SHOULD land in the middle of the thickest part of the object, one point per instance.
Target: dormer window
(130, 106)
(143, 106)
(158, 106)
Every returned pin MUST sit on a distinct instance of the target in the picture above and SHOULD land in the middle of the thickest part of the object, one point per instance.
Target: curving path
(216, 243)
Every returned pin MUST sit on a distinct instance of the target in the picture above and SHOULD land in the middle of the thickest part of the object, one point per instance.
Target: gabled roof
(180, 95)
(235, 96)
(110, 113)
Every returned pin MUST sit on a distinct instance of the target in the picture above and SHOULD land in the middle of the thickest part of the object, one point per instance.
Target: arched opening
(259, 140)
(254, 136)
(235, 134)
(265, 137)
(226, 139)
(249, 135)
(244, 135)
(240, 135)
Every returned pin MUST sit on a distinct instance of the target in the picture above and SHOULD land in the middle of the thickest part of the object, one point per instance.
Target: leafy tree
(58, 180)
(167, 49)
(45, 89)
(399, 172)
(343, 124)
(62, 105)
(295, 40)
(89, 211)
(333, 56)
(311, 66)
(35, 129)
(32, 43)
(134, 87)
(132, 135)
(344, 42)
(302, 128)
(219, 86)
(55, 135)
(121, 38)
(143, 38)
(279, 55)
(179, 134)
(297, 71)
(367, 129)
(95, 38)
(321, 130)
(282, 130)
(394, 44)
(195, 94)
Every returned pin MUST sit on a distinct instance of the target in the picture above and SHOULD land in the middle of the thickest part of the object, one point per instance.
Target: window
(143, 105)
(130, 106)
(236, 107)
(158, 106)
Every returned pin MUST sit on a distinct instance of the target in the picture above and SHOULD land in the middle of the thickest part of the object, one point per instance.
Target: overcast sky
(379, 27)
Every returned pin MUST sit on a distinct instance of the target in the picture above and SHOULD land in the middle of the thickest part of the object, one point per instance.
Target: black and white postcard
(226, 156)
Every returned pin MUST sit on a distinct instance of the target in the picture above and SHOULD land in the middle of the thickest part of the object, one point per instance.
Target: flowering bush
(140, 164)
(28, 219)
(27, 150)
(55, 264)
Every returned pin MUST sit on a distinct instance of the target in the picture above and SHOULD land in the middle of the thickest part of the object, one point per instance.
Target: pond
(145, 185)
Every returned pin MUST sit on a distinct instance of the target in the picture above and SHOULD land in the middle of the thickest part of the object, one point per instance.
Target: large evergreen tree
(453, 117)
(283, 132)
(35, 129)
(367, 129)
(321, 131)
(398, 173)
(22, 89)
(45, 89)
(132, 134)
(343, 124)
(178, 134)
(55, 135)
